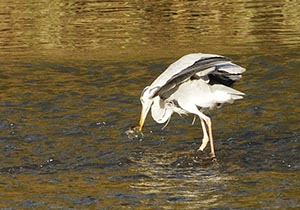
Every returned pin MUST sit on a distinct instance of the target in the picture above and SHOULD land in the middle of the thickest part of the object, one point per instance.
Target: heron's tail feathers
(224, 94)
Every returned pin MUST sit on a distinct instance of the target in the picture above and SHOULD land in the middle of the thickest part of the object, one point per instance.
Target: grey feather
(201, 67)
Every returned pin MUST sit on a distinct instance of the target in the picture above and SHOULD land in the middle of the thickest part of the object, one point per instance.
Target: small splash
(101, 124)
(134, 133)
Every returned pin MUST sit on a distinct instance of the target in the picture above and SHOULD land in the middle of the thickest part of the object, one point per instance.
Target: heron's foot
(208, 155)
(204, 144)
(213, 157)
(200, 149)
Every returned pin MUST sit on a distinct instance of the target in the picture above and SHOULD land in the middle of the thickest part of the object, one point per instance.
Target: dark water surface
(71, 74)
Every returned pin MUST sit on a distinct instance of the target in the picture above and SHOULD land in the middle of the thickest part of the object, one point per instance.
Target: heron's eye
(142, 100)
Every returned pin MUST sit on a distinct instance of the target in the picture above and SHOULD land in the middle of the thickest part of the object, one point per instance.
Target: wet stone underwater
(71, 75)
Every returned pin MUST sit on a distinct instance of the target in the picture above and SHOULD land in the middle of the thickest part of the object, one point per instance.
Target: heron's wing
(178, 66)
(201, 67)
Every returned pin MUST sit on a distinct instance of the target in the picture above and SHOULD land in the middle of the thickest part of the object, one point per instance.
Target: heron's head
(146, 100)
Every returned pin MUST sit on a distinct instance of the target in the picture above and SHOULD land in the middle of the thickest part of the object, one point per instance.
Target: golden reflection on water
(187, 187)
(75, 108)
(115, 29)
(168, 188)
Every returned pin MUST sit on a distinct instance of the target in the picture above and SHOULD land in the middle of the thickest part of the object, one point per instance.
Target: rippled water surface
(71, 74)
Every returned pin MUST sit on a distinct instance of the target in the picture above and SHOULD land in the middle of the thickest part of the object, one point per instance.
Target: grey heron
(191, 85)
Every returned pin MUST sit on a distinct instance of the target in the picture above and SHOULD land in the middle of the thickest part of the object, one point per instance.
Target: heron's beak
(144, 113)
(142, 120)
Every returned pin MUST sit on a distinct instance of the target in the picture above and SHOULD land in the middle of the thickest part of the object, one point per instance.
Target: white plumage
(193, 83)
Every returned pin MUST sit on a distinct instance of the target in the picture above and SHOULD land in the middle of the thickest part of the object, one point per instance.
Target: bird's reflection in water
(190, 177)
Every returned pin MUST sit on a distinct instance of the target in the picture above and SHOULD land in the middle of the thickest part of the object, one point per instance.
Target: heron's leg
(212, 149)
(205, 136)
(208, 123)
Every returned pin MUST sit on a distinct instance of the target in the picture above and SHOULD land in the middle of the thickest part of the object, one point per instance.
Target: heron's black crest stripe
(198, 66)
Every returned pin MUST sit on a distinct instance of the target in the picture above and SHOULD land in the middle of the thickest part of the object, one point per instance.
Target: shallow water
(71, 76)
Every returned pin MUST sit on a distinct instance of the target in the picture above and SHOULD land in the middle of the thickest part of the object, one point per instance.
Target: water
(71, 75)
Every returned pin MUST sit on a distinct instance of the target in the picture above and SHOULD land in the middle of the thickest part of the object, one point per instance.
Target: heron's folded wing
(226, 73)
(202, 67)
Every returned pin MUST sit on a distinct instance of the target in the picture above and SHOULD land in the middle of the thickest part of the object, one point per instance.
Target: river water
(71, 74)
